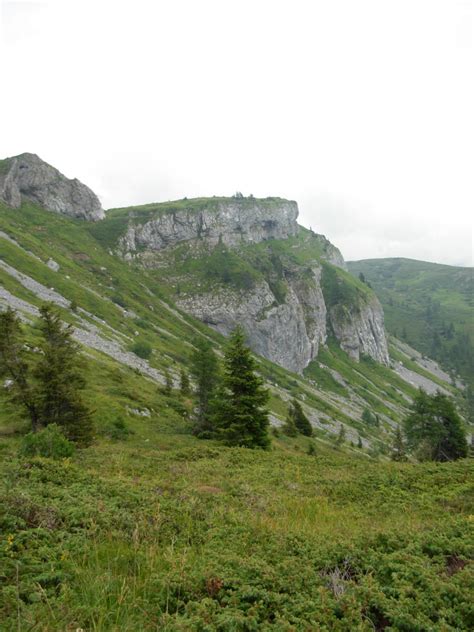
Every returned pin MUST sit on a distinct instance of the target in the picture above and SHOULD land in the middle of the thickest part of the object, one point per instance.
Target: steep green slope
(430, 306)
(117, 305)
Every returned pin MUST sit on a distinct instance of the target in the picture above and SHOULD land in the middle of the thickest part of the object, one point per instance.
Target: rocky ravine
(27, 176)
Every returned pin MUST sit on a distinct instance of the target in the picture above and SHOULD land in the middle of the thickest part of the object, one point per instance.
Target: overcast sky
(361, 110)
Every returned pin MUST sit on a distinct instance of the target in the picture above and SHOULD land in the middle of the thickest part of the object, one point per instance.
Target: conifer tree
(241, 416)
(204, 369)
(302, 423)
(341, 436)
(289, 427)
(434, 429)
(60, 380)
(398, 447)
(168, 385)
(184, 385)
(359, 443)
(14, 366)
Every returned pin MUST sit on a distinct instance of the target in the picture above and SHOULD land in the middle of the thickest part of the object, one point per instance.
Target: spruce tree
(398, 447)
(289, 427)
(184, 385)
(14, 367)
(60, 380)
(302, 423)
(204, 369)
(241, 416)
(341, 436)
(359, 443)
(434, 429)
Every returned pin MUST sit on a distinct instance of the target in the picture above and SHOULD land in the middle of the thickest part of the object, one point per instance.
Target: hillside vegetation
(428, 305)
(166, 532)
(151, 528)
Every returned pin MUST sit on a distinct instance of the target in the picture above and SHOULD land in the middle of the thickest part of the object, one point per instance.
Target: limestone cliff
(275, 288)
(30, 178)
(212, 221)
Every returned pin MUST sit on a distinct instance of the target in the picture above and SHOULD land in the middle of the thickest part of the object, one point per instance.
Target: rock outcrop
(360, 330)
(288, 333)
(286, 326)
(230, 222)
(28, 177)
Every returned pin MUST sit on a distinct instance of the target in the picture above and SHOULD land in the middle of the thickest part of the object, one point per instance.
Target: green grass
(177, 534)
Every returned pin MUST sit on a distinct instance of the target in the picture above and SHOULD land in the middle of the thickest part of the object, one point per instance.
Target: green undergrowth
(186, 535)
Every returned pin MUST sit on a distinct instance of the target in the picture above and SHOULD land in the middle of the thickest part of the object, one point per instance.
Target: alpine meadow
(205, 424)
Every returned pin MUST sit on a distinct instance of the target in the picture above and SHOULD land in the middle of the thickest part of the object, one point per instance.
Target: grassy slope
(165, 532)
(95, 279)
(420, 301)
(148, 533)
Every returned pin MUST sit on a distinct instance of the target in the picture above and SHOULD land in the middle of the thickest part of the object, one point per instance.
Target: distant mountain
(428, 305)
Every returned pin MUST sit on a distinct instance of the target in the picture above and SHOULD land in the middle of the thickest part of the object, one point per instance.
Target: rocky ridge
(288, 332)
(30, 178)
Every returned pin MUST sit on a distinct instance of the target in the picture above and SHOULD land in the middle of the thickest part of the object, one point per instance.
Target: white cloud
(362, 111)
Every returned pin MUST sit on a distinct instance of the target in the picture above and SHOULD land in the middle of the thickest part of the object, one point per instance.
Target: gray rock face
(360, 330)
(230, 222)
(289, 333)
(29, 177)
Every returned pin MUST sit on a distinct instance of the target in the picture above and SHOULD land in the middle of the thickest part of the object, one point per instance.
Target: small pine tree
(311, 449)
(398, 446)
(60, 380)
(302, 423)
(241, 415)
(184, 385)
(359, 442)
(168, 385)
(15, 367)
(204, 369)
(434, 429)
(341, 436)
(289, 427)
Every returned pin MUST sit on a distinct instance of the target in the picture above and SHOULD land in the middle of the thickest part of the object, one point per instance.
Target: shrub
(49, 442)
(142, 349)
(119, 430)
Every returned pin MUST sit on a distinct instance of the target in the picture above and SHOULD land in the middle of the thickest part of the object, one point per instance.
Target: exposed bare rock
(287, 333)
(360, 329)
(231, 222)
(28, 177)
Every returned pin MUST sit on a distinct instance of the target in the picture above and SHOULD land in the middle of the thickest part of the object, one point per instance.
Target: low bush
(49, 442)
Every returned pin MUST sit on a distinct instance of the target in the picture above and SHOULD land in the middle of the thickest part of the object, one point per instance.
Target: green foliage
(299, 419)
(428, 305)
(370, 418)
(49, 442)
(398, 447)
(50, 389)
(434, 429)
(142, 349)
(289, 427)
(226, 267)
(14, 367)
(241, 416)
(204, 368)
(184, 384)
(118, 430)
(341, 290)
(341, 436)
(228, 539)
(60, 379)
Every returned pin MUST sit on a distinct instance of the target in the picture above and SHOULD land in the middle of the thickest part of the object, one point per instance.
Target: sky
(362, 111)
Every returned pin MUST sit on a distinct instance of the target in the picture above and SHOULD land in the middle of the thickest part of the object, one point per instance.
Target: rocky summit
(27, 177)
